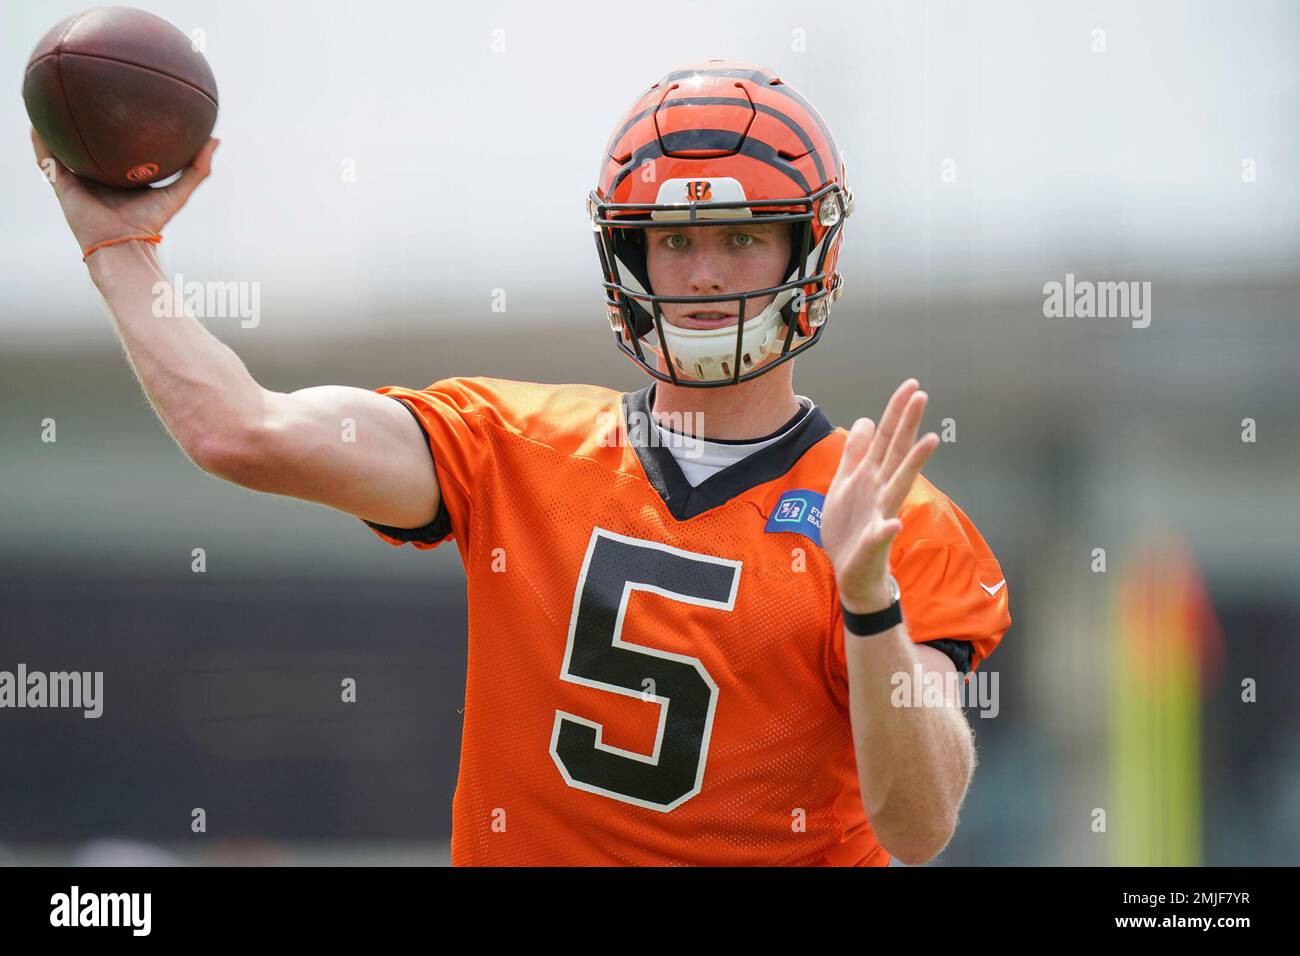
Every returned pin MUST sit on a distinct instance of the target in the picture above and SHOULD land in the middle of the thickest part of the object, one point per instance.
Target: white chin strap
(709, 355)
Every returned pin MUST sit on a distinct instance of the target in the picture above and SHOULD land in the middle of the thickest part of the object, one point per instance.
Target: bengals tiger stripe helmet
(720, 143)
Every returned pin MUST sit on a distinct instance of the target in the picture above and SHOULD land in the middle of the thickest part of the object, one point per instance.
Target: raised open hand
(860, 518)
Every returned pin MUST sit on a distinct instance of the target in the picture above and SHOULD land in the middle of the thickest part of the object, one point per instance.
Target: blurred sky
(472, 165)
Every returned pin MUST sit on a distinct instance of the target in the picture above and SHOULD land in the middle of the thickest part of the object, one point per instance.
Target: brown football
(120, 96)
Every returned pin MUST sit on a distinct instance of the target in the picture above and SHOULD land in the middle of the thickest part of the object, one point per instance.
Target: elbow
(916, 844)
(230, 453)
(916, 855)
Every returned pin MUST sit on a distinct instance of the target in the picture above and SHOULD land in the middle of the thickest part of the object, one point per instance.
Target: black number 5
(597, 656)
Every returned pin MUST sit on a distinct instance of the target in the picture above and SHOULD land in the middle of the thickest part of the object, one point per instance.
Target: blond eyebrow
(765, 229)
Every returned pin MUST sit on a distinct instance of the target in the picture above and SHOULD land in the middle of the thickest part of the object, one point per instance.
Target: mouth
(706, 319)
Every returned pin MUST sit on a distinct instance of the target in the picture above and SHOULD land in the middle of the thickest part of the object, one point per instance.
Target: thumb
(199, 169)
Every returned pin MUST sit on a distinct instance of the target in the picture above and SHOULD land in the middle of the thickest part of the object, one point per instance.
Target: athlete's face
(715, 260)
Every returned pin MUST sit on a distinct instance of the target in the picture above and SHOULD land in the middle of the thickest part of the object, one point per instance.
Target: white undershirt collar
(700, 459)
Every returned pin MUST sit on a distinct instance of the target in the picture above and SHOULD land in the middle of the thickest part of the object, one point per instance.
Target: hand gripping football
(120, 96)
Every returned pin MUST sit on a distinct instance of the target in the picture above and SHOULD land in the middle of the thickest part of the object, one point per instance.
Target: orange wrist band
(112, 242)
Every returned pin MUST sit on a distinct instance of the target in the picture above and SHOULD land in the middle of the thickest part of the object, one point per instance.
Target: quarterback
(682, 647)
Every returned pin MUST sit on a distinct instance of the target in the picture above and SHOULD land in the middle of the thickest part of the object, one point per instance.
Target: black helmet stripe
(788, 121)
(764, 80)
(821, 124)
(712, 139)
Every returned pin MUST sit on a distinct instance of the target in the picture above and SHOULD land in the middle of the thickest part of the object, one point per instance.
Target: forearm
(199, 387)
(914, 762)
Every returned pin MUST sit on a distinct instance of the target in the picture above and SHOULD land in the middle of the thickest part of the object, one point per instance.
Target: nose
(705, 274)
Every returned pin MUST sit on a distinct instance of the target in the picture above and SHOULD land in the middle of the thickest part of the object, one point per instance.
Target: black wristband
(865, 625)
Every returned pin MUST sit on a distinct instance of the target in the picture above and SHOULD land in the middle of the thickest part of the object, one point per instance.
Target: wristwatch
(877, 622)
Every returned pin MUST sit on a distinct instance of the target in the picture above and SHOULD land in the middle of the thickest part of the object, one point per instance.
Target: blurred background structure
(389, 172)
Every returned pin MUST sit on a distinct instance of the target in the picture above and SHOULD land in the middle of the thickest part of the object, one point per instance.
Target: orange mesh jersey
(657, 672)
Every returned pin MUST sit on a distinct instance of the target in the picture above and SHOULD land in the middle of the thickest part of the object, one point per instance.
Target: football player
(683, 647)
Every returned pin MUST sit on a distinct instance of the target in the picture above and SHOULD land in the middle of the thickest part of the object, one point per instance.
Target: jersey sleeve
(954, 594)
(450, 413)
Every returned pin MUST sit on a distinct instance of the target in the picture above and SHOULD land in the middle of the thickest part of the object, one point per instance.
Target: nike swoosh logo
(995, 589)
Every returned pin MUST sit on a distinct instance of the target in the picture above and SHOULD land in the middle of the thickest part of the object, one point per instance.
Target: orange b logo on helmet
(142, 173)
(699, 190)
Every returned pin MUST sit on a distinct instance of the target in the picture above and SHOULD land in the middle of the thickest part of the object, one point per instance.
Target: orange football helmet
(720, 143)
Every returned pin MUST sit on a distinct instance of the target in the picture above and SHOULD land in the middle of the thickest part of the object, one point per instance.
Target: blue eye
(746, 236)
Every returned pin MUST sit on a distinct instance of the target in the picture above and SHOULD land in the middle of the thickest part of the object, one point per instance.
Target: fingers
(855, 446)
(889, 421)
(905, 435)
(890, 453)
(40, 149)
(900, 483)
(198, 170)
(60, 177)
